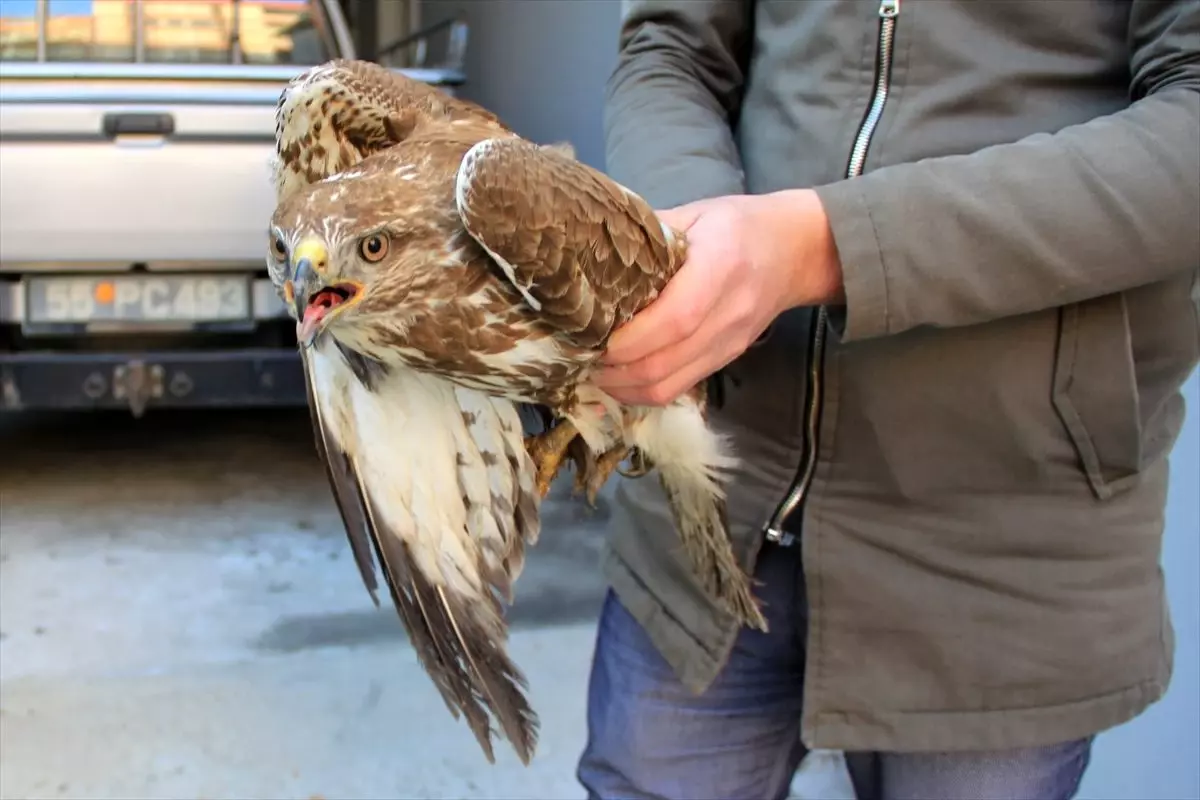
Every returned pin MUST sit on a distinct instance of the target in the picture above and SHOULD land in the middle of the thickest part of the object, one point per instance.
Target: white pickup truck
(135, 194)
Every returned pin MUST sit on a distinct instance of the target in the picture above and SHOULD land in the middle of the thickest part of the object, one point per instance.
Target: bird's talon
(607, 463)
(639, 465)
(548, 450)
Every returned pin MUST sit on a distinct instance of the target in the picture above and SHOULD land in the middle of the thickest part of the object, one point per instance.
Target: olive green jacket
(976, 446)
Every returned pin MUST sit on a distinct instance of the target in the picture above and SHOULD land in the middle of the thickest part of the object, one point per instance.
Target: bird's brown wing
(586, 253)
(332, 116)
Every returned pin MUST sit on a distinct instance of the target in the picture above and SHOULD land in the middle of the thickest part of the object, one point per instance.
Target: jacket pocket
(1096, 392)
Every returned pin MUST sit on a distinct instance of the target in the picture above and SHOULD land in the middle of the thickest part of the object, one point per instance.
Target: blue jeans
(650, 737)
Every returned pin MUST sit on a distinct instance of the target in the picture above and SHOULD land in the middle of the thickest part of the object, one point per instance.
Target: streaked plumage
(447, 272)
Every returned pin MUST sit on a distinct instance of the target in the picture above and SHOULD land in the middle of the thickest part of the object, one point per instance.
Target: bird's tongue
(313, 315)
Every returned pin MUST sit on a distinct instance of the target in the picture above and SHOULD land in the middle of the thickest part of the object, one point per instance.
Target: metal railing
(416, 46)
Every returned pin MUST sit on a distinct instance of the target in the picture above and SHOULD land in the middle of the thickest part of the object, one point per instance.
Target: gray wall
(540, 64)
(1157, 756)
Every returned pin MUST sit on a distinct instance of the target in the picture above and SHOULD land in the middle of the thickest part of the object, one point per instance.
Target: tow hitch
(136, 383)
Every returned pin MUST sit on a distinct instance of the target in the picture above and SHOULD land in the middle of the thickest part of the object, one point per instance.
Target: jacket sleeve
(1046, 221)
(673, 97)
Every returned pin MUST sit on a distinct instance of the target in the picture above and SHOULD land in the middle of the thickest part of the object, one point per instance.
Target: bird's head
(360, 250)
(319, 286)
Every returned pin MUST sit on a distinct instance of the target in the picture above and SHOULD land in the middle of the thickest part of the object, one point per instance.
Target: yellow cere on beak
(311, 250)
(310, 259)
(313, 299)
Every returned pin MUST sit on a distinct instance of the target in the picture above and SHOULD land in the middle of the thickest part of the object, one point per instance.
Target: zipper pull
(889, 8)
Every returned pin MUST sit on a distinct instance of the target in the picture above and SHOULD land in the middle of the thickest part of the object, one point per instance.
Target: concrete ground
(180, 618)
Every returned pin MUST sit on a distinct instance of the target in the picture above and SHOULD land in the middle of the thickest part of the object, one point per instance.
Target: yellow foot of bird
(585, 463)
(592, 472)
(608, 463)
(548, 451)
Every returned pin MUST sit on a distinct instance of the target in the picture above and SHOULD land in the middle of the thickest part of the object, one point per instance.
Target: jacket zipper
(888, 11)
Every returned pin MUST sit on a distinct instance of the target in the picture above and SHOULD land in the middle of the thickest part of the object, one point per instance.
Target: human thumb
(681, 218)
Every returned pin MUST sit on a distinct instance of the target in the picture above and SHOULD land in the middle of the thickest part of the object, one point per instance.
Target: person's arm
(672, 97)
(1053, 219)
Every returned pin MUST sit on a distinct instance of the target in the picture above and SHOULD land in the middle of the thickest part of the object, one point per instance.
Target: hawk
(445, 272)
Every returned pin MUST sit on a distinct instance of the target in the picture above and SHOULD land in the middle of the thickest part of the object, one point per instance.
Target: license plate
(137, 298)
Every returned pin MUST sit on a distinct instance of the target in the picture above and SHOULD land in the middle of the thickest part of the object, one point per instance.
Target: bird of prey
(444, 272)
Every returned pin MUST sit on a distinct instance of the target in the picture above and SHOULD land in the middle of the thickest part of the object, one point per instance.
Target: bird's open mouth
(323, 304)
(325, 301)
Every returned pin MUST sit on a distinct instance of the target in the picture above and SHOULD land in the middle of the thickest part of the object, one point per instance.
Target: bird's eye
(279, 248)
(374, 247)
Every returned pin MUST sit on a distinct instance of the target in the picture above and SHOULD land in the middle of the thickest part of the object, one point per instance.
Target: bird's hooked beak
(314, 300)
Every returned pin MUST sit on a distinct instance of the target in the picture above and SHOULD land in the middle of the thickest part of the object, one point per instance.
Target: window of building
(172, 31)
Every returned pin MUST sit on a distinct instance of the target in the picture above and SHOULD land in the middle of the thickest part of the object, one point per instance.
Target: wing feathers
(435, 571)
(343, 483)
(497, 476)
(429, 621)
(497, 679)
(583, 250)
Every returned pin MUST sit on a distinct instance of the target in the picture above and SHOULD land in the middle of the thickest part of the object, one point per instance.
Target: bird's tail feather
(690, 458)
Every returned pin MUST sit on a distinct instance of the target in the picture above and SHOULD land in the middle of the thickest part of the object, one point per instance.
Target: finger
(668, 360)
(681, 218)
(714, 346)
(674, 315)
(664, 392)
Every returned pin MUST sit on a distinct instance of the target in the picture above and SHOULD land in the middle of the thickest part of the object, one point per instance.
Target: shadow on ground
(223, 519)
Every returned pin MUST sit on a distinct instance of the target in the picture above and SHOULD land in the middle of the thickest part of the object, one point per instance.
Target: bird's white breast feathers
(444, 467)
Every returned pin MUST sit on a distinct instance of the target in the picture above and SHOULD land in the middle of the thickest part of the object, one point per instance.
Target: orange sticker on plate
(105, 292)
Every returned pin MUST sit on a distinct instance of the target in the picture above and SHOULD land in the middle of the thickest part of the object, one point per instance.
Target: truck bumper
(137, 381)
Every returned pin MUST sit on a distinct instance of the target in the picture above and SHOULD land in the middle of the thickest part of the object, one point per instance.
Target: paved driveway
(179, 618)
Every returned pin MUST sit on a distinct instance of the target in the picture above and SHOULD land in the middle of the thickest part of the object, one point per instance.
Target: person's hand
(750, 257)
